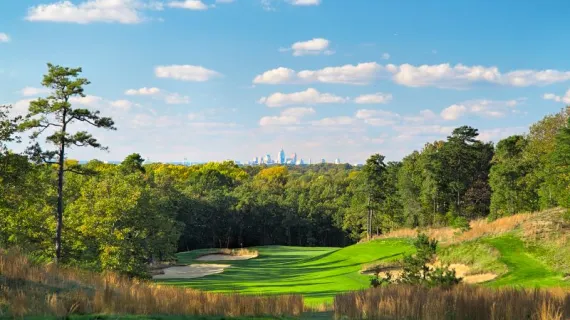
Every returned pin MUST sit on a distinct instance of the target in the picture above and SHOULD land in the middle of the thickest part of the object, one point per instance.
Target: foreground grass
(305, 316)
(317, 273)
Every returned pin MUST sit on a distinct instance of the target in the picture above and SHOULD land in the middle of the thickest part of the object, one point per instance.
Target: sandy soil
(461, 271)
(224, 257)
(191, 271)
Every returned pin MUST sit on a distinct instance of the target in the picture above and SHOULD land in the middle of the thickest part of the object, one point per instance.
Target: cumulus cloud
(88, 100)
(551, 96)
(31, 91)
(143, 91)
(424, 116)
(362, 73)
(122, 104)
(168, 97)
(188, 4)
(377, 117)
(186, 73)
(334, 121)
(276, 76)
(484, 108)
(314, 46)
(448, 76)
(291, 116)
(500, 133)
(374, 98)
(441, 75)
(175, 98)
(4, 37)
(99, 102)
(305, 2)
(109, 11)
(308, 97)
(385, 56)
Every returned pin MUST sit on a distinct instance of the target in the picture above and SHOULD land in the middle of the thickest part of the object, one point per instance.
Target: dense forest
(122, 217)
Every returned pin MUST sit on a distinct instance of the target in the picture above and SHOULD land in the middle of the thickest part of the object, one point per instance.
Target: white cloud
(333, 121)
(500, 133)
(168, 97)
(369, 114)
(122, 104)
(224, 1)
(31, 91)
(109, 11)
(298, 112)
(185, 73)
(308, 97)
(188, 4)
(175, 98)
(88, 100)
(377, 117)
(453, 112)
(305, 2)
(424, 116)
(440, 76)
(484, 108)
(278, 121)
(143, 91)
(20, 108)
(362, 73)
(552, 96)
(408, 131)
(276, 76)
(374, 98)
(4, 37)
(448, 76)
(314, 46)
(385, 56)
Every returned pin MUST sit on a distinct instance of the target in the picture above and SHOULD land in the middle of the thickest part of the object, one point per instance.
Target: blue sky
(215, 80)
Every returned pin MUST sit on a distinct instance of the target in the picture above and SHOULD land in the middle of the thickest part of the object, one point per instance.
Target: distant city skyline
(282, 159)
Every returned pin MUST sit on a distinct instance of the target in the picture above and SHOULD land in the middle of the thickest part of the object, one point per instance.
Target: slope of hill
(527, 250)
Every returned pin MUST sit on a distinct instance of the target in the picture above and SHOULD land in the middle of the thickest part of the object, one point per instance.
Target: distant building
(281, 157)
(323, 160)
(337, 161)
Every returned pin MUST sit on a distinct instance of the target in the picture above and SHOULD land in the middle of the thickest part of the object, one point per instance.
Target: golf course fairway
(317, 273)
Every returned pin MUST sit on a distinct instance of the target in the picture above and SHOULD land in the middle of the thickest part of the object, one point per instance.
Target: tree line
(123, 217)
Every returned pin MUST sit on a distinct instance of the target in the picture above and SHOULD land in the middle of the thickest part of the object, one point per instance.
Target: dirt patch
(461, 270)
(225, 257)
(191, 271)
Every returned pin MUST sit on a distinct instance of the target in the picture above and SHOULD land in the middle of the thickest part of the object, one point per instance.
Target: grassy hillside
(527, 250)
(317, 273)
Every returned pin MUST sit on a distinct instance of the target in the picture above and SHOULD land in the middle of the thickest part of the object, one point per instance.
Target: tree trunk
(59, 217)
(60, 170)
(369, 221)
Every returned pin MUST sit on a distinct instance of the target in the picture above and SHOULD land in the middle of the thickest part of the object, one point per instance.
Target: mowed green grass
(316, 273)
(524, 268)
(321, 273)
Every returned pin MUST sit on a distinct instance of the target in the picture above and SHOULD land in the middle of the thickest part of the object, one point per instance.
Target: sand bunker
(191, 271)
(224, 257)
(461, 270)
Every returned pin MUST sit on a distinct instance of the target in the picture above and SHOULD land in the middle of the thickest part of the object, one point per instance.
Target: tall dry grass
(459, 303)
(31, 289)
(532, 223)
(238, 252)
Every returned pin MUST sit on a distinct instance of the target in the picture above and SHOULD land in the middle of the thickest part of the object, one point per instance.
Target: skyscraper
(281, 157)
